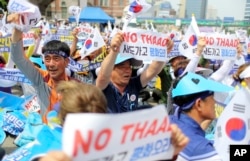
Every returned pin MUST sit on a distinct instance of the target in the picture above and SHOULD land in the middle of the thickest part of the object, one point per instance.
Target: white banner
(30, 14)
(145, 45)
(28, 39)
(141, 135)
(14, 75)
(220, 47)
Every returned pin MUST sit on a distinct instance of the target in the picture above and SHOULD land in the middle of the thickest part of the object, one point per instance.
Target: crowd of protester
(187, 86)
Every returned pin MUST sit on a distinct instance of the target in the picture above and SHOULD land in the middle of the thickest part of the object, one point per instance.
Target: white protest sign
(142, 135)
(92, 43)
(32, 104)
(220, 47)
(12, 74)
(233, 124)
(30, 14)
(241, 35)
(84, 31)
(28, 39)
(145, 45)
(175, 51)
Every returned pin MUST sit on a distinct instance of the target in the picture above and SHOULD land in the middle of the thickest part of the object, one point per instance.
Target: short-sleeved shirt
(198, 148)
(128, 101)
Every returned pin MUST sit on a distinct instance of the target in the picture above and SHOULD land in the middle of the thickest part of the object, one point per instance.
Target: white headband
(245, 73)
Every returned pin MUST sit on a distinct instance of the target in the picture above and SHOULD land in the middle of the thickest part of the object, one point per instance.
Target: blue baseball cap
(192, 83)
(134, 62)
(37, 60)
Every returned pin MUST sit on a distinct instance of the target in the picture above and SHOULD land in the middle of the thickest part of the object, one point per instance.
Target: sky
(225, 8)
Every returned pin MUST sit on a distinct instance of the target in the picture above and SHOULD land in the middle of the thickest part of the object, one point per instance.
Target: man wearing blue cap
(194, 95)
(114, 78)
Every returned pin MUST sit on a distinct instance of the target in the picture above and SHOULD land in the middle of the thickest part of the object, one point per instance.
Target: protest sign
(13, 75)
(84, 31)
(141, 135)
(31, 104)
(233, 124)
(145, 45)
(220, 47)
(30, 14)
(241, 35)
(175, 51)
(5, 44)
(28, 39)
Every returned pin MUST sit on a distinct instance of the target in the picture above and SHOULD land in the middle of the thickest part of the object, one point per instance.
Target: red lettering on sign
(209, 40)
(152, 128)
(146, 129)
(164, 127)
(106, 133)
(154, 40)
(83, 143)
(130, 37)
(227, 42)
(126, 128)
(139, 130)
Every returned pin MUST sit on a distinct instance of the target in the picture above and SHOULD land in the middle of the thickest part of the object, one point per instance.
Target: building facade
(198, 8)
(58, 8)
(247, 11)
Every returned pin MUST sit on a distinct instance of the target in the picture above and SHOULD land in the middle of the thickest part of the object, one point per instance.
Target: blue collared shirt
(128, 101)
(199, 147)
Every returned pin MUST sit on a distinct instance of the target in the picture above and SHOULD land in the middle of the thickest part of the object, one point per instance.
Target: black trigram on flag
(239, 108)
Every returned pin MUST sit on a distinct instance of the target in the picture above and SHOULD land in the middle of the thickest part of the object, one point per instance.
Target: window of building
(121, 2)
(49, 12)
(104, 2)
(64, 12)
(64, 9)
(248, 1)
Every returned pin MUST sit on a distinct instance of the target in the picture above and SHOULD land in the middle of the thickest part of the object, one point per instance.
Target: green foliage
(3, 4)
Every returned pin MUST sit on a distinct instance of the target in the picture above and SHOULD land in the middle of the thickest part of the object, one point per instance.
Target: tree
(3, 4)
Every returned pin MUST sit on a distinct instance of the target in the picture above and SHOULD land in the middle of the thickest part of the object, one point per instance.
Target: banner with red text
(28, 39)
(142, 135)
(220, 46)
(145, 45)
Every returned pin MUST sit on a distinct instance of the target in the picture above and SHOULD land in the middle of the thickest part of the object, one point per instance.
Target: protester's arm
(55, 156)
(107, 66)
(154, 68)
(192, 65)
(19, 58)
(226, 67)
(73, 46)
(179, 140)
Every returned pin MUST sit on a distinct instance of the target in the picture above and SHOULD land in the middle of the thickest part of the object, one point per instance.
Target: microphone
(2, 153)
